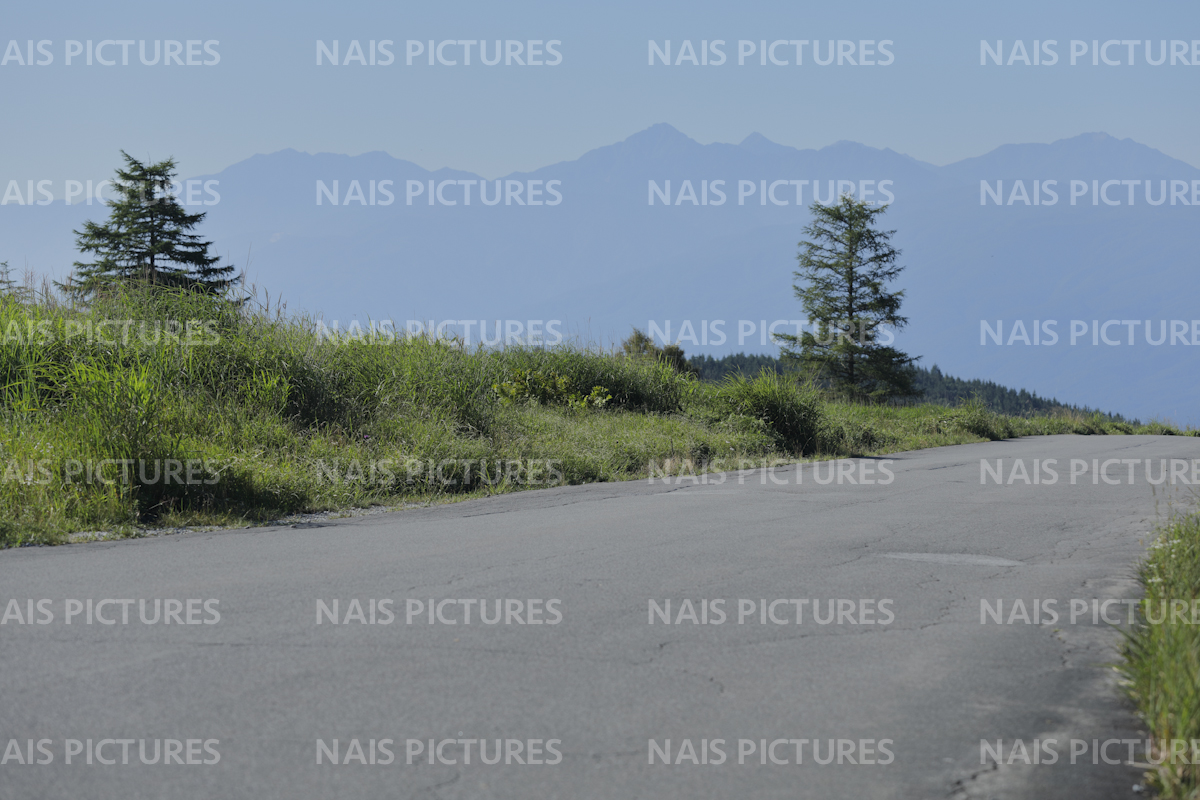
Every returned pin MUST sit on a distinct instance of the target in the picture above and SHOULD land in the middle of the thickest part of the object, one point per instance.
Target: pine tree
(845, 264)
(147, 238)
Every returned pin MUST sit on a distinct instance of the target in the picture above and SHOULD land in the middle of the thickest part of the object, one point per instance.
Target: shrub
(974, 417)
(848, 436)
(1157, 428)
(635, 384)
(791, 410)
(548, 388)
(639, 344)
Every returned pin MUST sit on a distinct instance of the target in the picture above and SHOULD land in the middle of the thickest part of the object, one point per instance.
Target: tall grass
(287, 419)
(791, 411)
(1162, 656)
(282, 417)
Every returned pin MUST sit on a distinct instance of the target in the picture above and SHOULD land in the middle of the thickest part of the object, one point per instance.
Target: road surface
(581, 680)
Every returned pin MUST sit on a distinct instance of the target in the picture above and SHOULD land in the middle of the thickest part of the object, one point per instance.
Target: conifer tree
(147, 238)
(845, 265)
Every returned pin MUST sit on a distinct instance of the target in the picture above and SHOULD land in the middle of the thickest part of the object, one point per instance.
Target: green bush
(791, 411)
(974, 417)
(1157, 428)
(636, 384)
(548, 389)
(849, 437)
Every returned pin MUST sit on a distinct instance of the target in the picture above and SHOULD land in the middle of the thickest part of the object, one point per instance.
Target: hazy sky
(261, 89)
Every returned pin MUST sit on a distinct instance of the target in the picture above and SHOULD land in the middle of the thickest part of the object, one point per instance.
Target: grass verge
(1161, 663)
(161, 409)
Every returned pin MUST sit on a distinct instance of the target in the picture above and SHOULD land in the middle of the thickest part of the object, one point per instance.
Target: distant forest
(935, 387)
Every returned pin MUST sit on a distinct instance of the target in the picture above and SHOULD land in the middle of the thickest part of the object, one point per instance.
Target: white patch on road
(955, 558)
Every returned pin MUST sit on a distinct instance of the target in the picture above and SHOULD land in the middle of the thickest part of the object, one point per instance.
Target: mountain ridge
(663, 132)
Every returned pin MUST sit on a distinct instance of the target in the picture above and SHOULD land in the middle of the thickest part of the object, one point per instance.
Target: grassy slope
(262, 402)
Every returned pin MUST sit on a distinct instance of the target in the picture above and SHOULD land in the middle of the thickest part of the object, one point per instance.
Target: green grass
(277, 419)
(1162, 655)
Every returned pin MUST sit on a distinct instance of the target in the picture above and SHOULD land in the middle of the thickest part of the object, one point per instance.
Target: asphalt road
(595, 691)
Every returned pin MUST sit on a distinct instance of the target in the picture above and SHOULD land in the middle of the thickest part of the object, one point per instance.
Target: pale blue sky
(935, 102)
